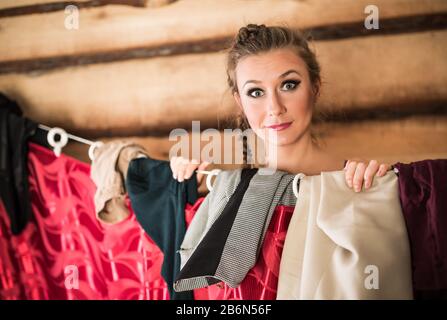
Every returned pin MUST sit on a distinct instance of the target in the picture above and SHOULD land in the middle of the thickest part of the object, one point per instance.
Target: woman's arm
(357, 172)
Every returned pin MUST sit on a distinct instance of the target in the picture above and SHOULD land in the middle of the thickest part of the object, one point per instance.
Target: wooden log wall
(138, 69)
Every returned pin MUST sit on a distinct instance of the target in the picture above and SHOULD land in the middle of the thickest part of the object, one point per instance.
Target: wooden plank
(111, 28)
(50, 64)
(129, 98)
(7, 4)
(377, 77)
(9, 10)
(411, 139)
(339, 31)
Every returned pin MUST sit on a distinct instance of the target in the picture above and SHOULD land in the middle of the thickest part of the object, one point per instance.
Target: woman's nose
(275, 106)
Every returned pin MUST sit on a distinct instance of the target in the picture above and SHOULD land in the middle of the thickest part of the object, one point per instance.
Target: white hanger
(57, 145)
(295, 183)
(209, 174)
(91, 149)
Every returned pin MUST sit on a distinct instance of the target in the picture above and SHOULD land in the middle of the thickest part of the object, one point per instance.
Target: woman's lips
(281, 126)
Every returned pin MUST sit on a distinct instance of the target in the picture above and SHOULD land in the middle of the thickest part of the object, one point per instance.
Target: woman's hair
(255, 39)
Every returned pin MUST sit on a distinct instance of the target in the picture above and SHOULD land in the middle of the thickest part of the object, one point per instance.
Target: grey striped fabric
(244, 241)
(245, 238)
(223, 187)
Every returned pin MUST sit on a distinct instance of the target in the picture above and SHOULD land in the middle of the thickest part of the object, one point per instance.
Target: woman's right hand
(183, 168)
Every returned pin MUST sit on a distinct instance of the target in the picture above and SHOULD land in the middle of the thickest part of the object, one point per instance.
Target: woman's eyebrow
(289, 72)
(281, 76)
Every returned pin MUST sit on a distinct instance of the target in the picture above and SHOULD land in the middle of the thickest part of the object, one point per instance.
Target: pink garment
(113, 261)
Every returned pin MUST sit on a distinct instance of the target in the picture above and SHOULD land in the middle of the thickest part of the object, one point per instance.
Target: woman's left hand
(357, 171)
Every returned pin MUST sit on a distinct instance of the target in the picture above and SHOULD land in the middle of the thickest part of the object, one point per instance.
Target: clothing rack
(93, 144)
(71, 136)
(64, 136)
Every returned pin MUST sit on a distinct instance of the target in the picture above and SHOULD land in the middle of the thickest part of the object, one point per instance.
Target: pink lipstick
(281, 126)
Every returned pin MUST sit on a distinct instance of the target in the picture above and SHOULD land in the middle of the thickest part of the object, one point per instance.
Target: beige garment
(108, 172)
(337, 237)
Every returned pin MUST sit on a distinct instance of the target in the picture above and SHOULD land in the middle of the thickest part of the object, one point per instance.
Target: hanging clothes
(221, 255)
(15, 131)
(205, 261)
(65, 252)
(224, 187)
(159, 201)
(108, 171)
(261, 281)
(423, 190)
(341, 244)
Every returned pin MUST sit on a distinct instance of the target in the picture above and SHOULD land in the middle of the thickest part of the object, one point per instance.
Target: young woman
(275, 80)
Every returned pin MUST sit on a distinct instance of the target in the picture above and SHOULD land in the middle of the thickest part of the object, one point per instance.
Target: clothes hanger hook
(91, 149)
(295, 183)
(213, 172)
(57, 145)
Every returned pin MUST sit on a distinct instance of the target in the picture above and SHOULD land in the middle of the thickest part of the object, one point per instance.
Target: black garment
(158, 201)
(15, 131)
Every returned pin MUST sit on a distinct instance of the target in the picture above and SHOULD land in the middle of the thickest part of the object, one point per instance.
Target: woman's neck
(304, 156)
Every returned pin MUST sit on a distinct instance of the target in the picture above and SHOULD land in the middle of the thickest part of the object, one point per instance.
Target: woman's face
(276, 95)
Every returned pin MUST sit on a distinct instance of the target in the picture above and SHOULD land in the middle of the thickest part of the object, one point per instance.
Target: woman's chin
(278, 138)
(281, 140)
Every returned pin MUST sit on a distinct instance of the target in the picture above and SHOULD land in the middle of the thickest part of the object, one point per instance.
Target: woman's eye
(255, 93)
(290, 85)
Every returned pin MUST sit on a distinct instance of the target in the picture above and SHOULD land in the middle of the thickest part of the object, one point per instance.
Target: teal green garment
(158, 201)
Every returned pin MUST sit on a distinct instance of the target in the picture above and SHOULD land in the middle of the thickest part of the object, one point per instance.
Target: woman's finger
(358, 176)
(370, 171)
(349, 172)
(190, 168)
(182, 165)
(383, 168)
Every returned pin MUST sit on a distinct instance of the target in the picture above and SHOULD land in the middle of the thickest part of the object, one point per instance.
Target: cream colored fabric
(337, 237)
(108, 171)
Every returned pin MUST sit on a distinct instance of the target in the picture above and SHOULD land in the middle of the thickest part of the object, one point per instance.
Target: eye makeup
(295, 84)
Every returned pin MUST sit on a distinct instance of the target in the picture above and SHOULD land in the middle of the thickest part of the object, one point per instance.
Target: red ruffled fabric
(64, 239)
